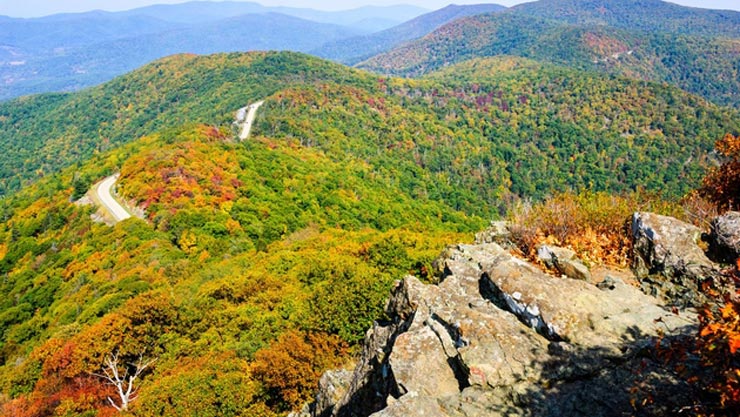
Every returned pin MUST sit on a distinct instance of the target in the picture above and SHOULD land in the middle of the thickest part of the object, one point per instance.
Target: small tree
(123, 381)
(722, 184)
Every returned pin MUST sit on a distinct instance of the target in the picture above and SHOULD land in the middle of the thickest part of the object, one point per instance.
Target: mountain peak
(643, 15)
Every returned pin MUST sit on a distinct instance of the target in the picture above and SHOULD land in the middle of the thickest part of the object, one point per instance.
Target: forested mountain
(49, 132)
(355, 49)
(703, 65)
(260, 264)
(639, 15)
(71, 51)
(503, 117)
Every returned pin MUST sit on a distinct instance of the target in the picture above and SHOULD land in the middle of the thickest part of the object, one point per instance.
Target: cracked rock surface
(669, 246)
(725, 237)
(669, 261)
(498, 337)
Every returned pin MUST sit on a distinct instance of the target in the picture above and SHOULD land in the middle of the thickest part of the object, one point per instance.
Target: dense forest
(259, 264)
(701, 64)
(189, 287)
(41, 134)
(498, 126)
(293, 237)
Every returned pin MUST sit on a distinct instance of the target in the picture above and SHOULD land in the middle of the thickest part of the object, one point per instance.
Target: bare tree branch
(124, 383)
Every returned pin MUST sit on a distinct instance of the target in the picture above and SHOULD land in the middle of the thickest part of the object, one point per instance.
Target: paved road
(110, 204)
(252, 108)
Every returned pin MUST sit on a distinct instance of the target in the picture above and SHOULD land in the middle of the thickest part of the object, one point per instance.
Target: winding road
(247, 127)
(116, 210)
(103, 192)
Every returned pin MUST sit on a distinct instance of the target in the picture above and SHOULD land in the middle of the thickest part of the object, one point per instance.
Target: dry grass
(595, 225)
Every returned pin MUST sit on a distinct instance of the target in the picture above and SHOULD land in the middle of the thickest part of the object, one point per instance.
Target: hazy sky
(30, 8)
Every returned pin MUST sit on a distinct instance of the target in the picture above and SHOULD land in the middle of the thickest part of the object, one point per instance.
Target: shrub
(718, 345)
(722, 184)
(595, 225)
(718, 341)
(291, 366)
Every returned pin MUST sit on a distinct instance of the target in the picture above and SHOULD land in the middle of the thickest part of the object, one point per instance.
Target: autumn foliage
(259, 263)
(718, 344)
(595, 225)
(291, 366)
(722, 184)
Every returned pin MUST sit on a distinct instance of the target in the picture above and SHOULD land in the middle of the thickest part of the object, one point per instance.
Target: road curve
(103, 191)
(252, 108)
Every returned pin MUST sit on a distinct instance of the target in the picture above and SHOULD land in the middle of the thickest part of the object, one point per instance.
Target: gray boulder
(724, 239)
(333, 385)
(564, 261)
(412, 404)
(499, 232)
(665, 245)
(668, 259)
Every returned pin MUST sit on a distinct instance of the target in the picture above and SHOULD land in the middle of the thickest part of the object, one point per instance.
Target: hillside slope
(331, 237)
(262, 263)
(638, 15)
(702, 65)
(510, 127)
(355, 49)
(180, 89)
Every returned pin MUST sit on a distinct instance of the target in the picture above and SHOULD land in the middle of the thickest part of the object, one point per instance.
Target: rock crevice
(499, 337)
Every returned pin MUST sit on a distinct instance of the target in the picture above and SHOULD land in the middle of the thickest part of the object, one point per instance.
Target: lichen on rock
(497, 336)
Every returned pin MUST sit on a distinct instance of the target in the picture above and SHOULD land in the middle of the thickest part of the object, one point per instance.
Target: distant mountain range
(697, 50)
(99, 62)
(353, 50)
(70, 51)
(366, 19)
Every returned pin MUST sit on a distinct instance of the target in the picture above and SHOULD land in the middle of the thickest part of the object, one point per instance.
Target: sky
(35, 8)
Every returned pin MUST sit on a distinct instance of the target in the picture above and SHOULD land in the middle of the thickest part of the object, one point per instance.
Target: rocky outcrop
(499, 337)
(668, 246)
(498, 232)
(724, 238)
(668, 258)
(564, 261)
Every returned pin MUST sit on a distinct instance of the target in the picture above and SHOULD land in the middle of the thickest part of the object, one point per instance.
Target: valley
(390, 211)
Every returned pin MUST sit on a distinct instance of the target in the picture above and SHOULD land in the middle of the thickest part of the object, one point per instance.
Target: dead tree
(123, 381)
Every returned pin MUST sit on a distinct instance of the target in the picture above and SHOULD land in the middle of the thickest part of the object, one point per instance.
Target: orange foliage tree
(718, 344)
(291, 366)
(722, 184)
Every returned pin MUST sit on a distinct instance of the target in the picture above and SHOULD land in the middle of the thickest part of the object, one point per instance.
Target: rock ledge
(498, 337)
